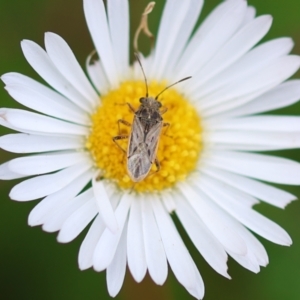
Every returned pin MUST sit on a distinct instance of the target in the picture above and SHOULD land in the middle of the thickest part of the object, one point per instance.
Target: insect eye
(159, 104)
(142, 100)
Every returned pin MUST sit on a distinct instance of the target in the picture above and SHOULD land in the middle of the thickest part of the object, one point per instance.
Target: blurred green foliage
(34, 266)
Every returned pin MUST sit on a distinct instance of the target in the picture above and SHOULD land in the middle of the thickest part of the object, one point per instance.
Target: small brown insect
(145, 133)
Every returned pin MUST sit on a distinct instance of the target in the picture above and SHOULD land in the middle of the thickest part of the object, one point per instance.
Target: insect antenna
(186, 78)
(146, 83)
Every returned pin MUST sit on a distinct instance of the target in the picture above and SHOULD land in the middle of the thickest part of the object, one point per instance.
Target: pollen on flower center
(178, 150)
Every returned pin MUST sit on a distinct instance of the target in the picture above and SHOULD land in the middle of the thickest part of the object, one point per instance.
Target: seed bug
(145, 133)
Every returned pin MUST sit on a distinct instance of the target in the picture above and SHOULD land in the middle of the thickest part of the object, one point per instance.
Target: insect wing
(138, 162)
(136, 136)
(152, 139)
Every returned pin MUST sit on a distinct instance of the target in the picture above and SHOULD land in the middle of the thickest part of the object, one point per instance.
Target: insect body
(149, 113)
(144, 136)
(142, 147)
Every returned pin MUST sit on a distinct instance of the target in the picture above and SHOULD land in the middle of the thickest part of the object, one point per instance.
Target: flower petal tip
(62, 239)
(83, 266)
(2, 77)
(11, 195)
(99, 268)
(25, 42)
(113, 294)
(33, 220)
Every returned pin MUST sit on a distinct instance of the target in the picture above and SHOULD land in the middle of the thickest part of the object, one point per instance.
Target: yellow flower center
(178, 149)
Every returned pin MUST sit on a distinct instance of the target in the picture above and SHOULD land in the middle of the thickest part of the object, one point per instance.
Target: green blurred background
(34, 266)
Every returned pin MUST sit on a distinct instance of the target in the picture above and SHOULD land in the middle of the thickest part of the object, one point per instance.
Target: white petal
(260, 123)
(97, 75)
(211, 216)
(49, 106)
(41, 164)
(280, 96)
(65, 61)
(14, 78)
(252, 61)
(40, 103)
(168, 202)
(41, 63)
(183, 35)
(168, 31)
(108, 243)
(255, 188)
(235, 48)
(44, 185)
(89, 243)
(248, 261)
(97, 23)
(5, 123)
(249, 16)
(271, 75)
(135, 242)
(238, 197)
(115, 272)
(26, 143)
(199, 289)
(254, 140)
(118, 20)
(223, 23)
(86, 252)
(210, 113)
(248, 148)
(263, 167)
(73, 226)
(211, 250)
(252, 244)
(239, 101)
(250, 218)
(56, 218)
(40, 212)
(104, 206)
(7, 174)
(33, 122)
(154, 249)
(178, 256)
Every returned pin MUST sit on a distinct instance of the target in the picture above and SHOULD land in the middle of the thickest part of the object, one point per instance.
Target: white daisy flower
(210, 175)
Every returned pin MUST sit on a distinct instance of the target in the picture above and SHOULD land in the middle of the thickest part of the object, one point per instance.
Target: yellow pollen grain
(178, 150)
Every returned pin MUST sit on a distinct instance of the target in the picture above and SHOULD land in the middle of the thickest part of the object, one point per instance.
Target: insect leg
(130, 107)
(120, 137)
(164, 110)
(123, 122)
(168, 126)
(157, 164)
